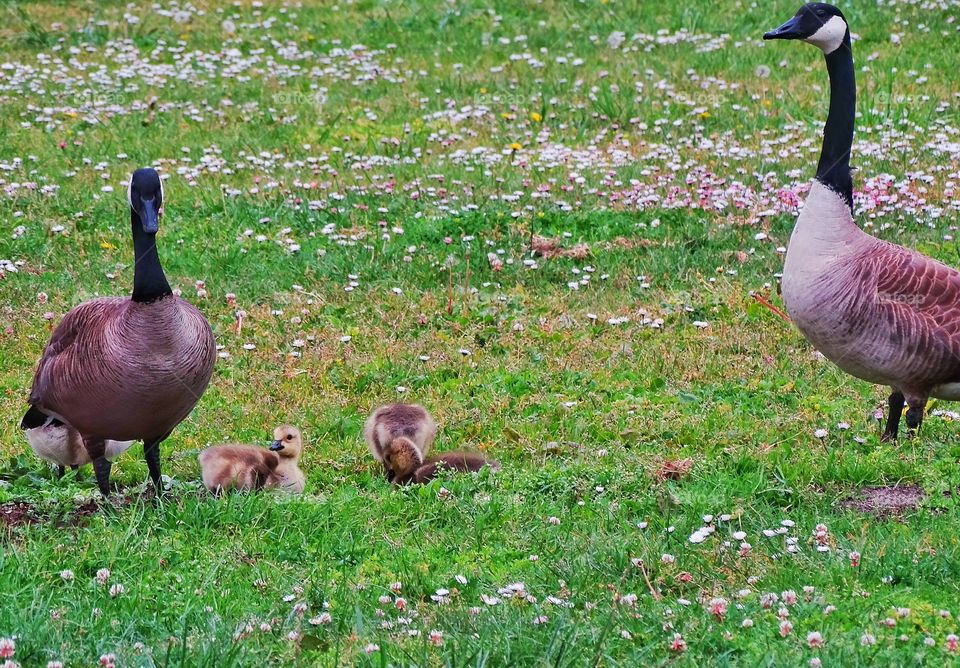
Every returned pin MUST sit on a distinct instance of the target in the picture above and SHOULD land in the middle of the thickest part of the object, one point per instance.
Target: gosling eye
(289, 437)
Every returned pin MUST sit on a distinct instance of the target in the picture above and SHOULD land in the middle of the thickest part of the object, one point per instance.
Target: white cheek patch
(130, 193)
(162, 198)
(830, 35)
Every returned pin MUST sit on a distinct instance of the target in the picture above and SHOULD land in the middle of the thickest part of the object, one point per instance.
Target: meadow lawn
(549, 223)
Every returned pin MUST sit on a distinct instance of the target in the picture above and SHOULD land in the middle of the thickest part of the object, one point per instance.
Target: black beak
(789, 30)
(390, 475)
(149, 217)
(276, 445)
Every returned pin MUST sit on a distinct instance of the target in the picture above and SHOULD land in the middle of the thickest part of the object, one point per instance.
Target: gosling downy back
(465, 462)
(405, 465)
(881, 312)
(393, 421)
(241, 467)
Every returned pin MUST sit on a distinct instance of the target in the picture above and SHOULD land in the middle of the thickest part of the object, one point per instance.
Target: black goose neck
(833, 170)
(149, 281)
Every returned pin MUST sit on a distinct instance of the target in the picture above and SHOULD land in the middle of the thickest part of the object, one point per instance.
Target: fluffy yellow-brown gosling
(405, 464)
(465, 462)
(391, 423)
(249, 467)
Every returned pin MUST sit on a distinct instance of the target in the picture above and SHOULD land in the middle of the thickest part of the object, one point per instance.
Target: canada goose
(249, 467)
(406, 465)
(59, 444)
(393, 421)
(881, 312)
(126, 368)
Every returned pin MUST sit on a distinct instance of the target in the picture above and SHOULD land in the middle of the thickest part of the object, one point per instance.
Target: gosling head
(401, 458)
(145, 195)
(287, 441)
(816, 23)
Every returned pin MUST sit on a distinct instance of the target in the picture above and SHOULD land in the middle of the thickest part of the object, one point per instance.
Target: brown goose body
(394, 421)
(125, 370)
(880, 312)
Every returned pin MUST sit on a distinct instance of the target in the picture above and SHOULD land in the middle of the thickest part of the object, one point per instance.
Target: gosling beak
(149, 216)
(276, 445)
(789, 30)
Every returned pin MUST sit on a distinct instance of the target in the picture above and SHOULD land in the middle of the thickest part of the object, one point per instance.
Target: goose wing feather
(60, 356)
(919, 303)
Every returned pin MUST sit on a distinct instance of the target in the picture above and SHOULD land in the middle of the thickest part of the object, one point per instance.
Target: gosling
(248, 467)
(62, 446)
(405, 465)
(401, 426)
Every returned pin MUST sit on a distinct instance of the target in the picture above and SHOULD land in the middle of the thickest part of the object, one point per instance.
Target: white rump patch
(830, 35)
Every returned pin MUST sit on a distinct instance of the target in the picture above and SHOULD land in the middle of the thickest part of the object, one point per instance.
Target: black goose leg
(151, 452)
(894, 411)
(76, 471)
(101, 467)
(96, 448)
(60, 470)
(915, 417)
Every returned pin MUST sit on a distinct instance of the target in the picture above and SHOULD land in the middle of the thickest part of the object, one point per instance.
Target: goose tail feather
(34, 417)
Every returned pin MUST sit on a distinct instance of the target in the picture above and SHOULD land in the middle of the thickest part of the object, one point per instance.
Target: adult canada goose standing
(880, 312)
(126, 368)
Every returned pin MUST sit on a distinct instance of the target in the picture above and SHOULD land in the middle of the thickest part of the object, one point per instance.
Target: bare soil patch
(17, 513)
(550, 248)
(886, 501)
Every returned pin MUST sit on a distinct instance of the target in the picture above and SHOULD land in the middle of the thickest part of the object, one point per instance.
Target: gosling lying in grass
(61, 445)
(405, 465)
(408, 425)
(248, 467)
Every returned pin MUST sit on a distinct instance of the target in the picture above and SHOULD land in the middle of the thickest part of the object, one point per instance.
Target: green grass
(582, 414)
